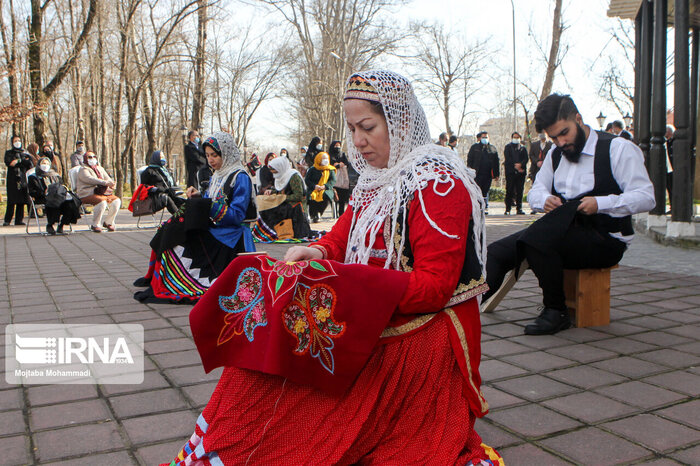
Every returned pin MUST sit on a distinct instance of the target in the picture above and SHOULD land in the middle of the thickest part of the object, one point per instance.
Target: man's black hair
(189, 135)
(553, 108)
(608, 127)
(442, 136)
(514, 133)
(453, 138)
(618, 124)
(15, 136)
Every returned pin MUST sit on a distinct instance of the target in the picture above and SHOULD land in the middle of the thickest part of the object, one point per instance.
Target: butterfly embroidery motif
(309, 318)
(245, 308)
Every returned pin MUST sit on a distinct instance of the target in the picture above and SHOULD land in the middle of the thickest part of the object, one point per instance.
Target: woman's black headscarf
(312, 151)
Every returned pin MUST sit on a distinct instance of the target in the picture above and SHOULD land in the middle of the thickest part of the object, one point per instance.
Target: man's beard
(574, 154)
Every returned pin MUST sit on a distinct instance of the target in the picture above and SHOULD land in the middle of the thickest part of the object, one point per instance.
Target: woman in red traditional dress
(416, 209)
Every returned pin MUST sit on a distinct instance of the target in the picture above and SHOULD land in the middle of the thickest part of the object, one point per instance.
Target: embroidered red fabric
(315, 322)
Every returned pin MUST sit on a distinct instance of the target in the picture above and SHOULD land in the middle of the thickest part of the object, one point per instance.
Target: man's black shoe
(520, 212)
(549, 322)
(50, 230)
(507, 212)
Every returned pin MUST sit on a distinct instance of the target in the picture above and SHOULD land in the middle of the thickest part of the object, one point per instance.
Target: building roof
(628, 9)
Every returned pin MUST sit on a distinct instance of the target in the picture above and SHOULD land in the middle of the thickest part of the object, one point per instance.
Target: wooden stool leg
(593, 298)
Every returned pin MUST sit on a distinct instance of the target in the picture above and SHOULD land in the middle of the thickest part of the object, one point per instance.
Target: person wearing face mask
(46, 187)
(163, 188)
(48, 151)
(76, 158)
(483, 158)
(284, 153)
(18, 162)
(515, 168)
(320, 179)
(194, 158)
(343, 171)
(96, 188)
(315, 146)
(589, 186)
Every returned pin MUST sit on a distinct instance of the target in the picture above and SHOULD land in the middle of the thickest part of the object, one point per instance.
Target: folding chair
(156, 223)
(73, 177)
(33, 206)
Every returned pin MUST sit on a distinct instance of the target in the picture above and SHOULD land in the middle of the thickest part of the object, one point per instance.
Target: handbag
(56, 195)
(342, 180)
(143, 207)
(284, 229)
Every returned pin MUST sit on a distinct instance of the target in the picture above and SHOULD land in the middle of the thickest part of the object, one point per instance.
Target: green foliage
(497, 194)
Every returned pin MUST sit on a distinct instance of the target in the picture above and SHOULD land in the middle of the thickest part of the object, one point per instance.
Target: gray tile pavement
(628, 393)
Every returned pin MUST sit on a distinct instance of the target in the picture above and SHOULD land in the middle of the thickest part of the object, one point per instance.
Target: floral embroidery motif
(245, 308)
(309, 318)
(284, 276)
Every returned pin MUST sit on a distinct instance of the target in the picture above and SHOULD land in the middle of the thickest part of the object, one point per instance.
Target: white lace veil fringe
(415, 162)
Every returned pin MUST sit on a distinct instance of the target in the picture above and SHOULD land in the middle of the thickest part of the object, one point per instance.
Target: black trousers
(316, 209)
(17, 210)
(515, 185)
(583, 247)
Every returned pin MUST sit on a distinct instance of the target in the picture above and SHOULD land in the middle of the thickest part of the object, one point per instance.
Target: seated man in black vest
(589, 195)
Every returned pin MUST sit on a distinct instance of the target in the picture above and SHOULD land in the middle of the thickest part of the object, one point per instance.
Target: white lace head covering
(224, 145)
(284, 170)
(414, 164)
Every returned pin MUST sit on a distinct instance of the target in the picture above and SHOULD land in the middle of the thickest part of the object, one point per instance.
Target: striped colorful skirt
(183, 273)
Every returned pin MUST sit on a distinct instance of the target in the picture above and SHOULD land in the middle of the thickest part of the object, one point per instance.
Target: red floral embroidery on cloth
(245, 308)
(302, 320)
(284, 276)
(310, 319)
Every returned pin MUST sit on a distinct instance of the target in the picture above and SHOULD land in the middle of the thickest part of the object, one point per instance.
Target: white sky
(587, 37)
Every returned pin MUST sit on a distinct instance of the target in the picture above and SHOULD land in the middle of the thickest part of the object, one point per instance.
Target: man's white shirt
(574, 179)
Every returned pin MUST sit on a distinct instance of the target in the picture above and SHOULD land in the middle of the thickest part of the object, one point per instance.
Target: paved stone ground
(627, 393)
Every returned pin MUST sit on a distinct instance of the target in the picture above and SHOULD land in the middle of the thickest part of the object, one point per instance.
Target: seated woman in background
(96, 188)
(55, 159)
(164, 190)
(287, 201)
(265, 178)
(193, 247)
(320, 179)
(59, 205)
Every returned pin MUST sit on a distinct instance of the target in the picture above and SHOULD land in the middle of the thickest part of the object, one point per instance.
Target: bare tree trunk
(198, 100)
(10, 49)
(553, 60)
(41, 95)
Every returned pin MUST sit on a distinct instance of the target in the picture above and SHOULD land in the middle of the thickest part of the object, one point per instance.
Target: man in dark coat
(18, 162)
(538, 151)
(618, 129)
(515, 166)
(483, 158)
(194, 158)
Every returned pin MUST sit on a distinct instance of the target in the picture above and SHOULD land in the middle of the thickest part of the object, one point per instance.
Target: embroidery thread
(245, 308)
(310, 319)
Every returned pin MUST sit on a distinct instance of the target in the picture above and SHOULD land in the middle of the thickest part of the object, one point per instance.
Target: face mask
(319, 146)
(283, 154)
(92, 162)
(163, 162)
(324, 162)
(516, 141)
(45, 167)
(48, 151)
(484, 141)
(196, 140)
(81, 150)
(17, 144)
(542, 137)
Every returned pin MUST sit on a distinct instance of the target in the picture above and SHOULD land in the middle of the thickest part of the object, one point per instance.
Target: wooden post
(682, 200)
(644, 90)
(657, 152)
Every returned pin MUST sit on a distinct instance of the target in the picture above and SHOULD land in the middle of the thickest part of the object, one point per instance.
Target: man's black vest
(605, 184)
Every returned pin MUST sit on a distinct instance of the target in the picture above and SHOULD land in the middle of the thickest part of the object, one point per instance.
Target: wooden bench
(588, 296)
